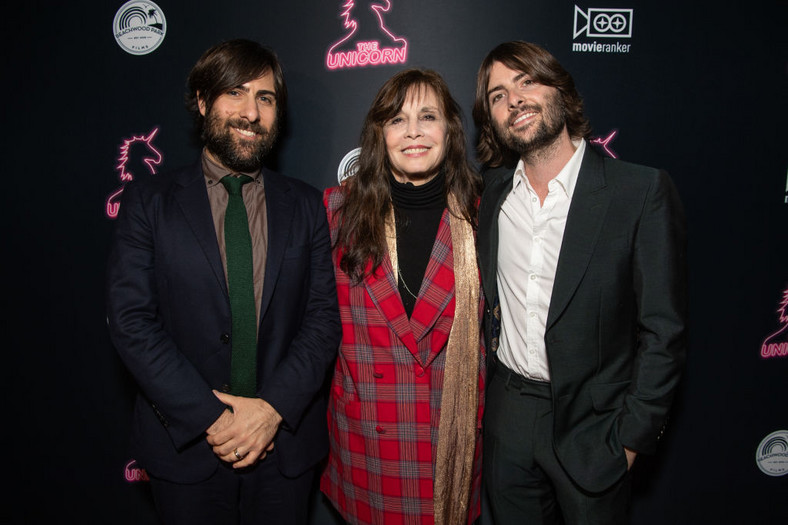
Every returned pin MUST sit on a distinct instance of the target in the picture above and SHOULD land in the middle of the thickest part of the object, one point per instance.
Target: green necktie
(240, 277)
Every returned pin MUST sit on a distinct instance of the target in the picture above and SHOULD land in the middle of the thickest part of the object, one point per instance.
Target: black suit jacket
(615, 333)
(169, 318)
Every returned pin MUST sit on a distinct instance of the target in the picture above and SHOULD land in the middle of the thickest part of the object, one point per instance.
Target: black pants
(523, 480)
(255, 495)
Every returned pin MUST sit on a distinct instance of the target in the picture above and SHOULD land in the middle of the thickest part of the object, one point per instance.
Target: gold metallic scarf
(459, 401)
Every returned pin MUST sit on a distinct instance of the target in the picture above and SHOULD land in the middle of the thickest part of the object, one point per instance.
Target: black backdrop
(697, 88)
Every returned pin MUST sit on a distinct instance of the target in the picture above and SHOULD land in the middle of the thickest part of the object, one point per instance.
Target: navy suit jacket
(169, 319)
(615, 333)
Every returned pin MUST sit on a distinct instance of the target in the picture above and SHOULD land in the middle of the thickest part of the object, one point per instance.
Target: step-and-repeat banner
(94, 98)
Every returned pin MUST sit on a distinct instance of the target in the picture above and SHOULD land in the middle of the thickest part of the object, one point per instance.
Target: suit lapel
(583, 224)
(498, 184)
(439, 276)
(382, 288)
(192, 198)
(439, 279)
(279, 213)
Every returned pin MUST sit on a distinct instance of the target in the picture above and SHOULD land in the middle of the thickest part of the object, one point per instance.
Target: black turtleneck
(417, 212)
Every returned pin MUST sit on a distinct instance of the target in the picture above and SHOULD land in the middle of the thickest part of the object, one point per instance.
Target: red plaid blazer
(384, 404)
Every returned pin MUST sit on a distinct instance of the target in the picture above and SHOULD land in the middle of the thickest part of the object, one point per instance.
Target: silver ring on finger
(237, 455)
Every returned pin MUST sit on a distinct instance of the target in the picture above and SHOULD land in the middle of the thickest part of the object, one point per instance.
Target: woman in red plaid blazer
(406, 399)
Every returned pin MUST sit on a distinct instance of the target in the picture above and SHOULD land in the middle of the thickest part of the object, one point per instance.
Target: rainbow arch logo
(772, 454)
(139, 27)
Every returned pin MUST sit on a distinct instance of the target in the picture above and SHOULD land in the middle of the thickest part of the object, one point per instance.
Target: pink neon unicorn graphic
(604, 143)
(148, 158)
(133, 473)
(776, 344)
(367, 42)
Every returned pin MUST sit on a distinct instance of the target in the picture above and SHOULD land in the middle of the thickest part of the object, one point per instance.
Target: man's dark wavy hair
(544, 69)
(228, 65)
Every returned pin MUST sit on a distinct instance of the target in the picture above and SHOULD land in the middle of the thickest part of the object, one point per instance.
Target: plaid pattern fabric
(384, 405)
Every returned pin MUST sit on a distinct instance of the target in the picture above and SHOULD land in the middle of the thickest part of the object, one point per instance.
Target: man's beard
(234, 153)
(545, 134)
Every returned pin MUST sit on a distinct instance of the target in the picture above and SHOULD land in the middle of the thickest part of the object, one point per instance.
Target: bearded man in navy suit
(227, 437)
(583, 265)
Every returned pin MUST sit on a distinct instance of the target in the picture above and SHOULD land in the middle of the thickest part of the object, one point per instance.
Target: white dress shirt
(529, 242)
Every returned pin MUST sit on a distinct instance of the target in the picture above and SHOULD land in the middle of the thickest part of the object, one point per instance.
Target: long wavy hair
(362, 216)
(544, 69)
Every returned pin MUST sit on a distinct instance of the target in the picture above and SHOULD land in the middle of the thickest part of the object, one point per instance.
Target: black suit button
(225, 338)
(225, 388)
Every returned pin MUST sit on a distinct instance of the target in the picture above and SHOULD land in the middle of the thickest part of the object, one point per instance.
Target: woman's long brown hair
(361, 238)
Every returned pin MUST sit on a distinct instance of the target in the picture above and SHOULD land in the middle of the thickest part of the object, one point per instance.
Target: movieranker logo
(603, 23)
(139, 27)
(607, 23)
